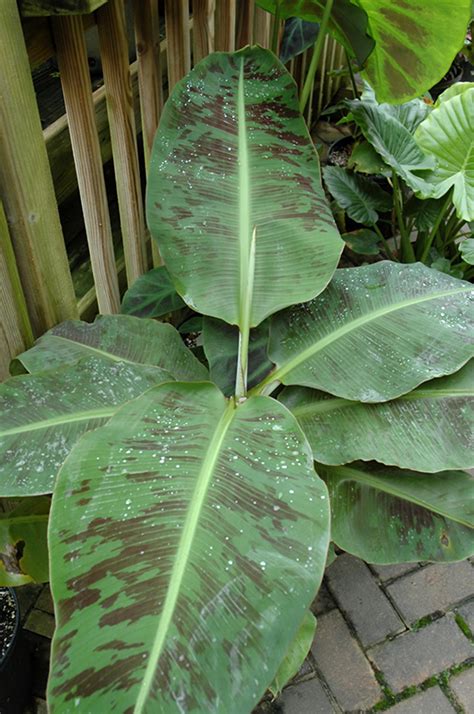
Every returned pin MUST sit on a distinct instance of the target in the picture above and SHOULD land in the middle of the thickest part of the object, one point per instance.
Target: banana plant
(189, 528)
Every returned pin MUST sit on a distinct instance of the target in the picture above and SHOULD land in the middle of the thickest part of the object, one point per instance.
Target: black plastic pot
(340, 151)
(14, 657)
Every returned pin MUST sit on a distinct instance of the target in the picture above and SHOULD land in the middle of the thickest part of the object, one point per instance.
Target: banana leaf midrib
(351, 474)
(102, 413)
(327, 405)
(309, 352)
(184, 548)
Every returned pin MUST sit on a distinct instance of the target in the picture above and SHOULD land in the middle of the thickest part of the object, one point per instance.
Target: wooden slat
(203, 29)
(225, 18)
(15, 329)
(75, 80)
(118, 90)
(147, 40)
(177, 34)
(39, 38)
(59, 7)
(245, 23)
(26, 187)
(262, 27)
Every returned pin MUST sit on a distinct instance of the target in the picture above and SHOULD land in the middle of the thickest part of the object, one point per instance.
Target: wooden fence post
(178, 42)
(118, 92)
(26, 187)
(226, 11)
(76, 85)
(203, 29)
(15, 330)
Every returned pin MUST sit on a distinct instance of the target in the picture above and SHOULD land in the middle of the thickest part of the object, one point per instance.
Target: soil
(7, 620)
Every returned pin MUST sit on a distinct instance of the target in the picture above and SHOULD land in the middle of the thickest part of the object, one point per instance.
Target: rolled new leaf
(376, 333)
(234, 194)
(43, 415)
(188, 537)
(116, 338)
(429, 429)
(385, 515)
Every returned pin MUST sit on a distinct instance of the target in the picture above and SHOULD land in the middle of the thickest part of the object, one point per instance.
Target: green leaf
(429, 429)
(415, 43)
(448, 135)
(188, 537)
(425, 211)
(152, 295)
(23, 543)
(117, 338)
(377, 332)
(43, 415)
(466, 248)
(366, 160)
(360, 198)
(221, 343)
(384, 515)
(453, 90)
(363, 241)
(234, 192)
(296, 654)
(390, 132)
(348, 23)
(298, 36)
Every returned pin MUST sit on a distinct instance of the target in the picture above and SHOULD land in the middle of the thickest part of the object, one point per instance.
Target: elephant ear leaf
(234, 195)
(385, 515)
(152, 295)
(448, 135)
(182, 532)
(23, 543)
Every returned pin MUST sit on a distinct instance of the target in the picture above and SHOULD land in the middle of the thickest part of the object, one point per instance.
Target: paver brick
(42, 623)
(343, 664)
(365, 604)
(323, 601)
(45, 601)
(432, 589)
(432, 701)
(463, 687)
(306, 698)
(415, 656)
(387, 572)
(467, 614)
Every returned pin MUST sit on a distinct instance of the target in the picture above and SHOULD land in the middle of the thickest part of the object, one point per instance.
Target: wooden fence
(41, 168)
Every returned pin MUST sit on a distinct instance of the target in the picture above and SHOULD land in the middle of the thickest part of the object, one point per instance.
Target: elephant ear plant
(189, 527)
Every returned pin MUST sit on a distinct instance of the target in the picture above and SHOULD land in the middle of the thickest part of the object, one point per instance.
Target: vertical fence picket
(15, 329)
(178, 41)
(118, 92)
(76, 85)
(26, 186)
(262, 27)
(225, 14)
(203, 29)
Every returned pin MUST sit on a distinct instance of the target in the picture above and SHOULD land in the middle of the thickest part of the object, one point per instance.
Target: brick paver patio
(397, 638)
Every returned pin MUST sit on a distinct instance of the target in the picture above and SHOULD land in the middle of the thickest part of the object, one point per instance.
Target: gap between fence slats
(26, 187)
(75, 81)
(118, 90)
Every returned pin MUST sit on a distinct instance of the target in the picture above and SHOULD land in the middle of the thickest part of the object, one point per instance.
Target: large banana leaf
(43, 415)
(23, 543)
(234, 194)
(296, 655)
(221, 344)
(377, 332)
(117, 338)
(384, 515)
(199, 539)
(429, 429)
(408, 57)
(448, 134)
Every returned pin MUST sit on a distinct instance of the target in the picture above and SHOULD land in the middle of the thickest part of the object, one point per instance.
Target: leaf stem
(434, 230)
(316, 55)
(407, 253)
(352, 76)
(244, 334)
(386, 246)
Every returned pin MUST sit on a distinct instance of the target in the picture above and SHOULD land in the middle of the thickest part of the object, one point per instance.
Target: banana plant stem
(434, 230)
(406, 249)
(316, 55)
